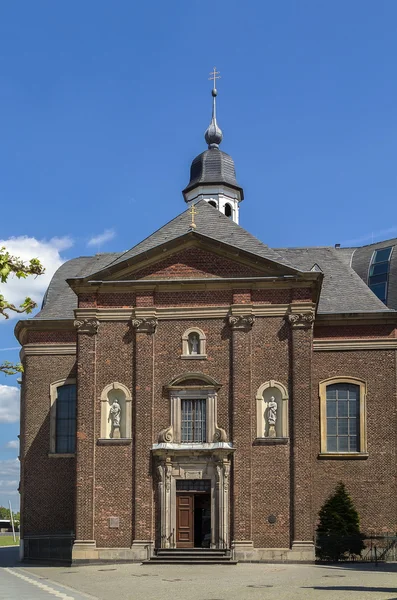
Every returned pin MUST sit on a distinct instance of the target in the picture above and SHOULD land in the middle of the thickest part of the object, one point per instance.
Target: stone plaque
(114, 522)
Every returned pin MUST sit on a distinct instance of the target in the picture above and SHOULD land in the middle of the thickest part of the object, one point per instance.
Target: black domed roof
(213, 167)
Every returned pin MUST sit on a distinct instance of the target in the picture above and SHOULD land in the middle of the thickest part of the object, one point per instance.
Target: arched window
(194, 344)
(272, 411)
(343, 423)
(116, 412)
(228, 210)
(63, 417)
(213, 203)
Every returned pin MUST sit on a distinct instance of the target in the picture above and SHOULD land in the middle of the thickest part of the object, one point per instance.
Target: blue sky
(103, 106)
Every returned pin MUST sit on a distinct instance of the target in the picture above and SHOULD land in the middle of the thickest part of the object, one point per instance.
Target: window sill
(268, 441)
(343, 455)
(194, 356)
(60, 455)
(114, 442)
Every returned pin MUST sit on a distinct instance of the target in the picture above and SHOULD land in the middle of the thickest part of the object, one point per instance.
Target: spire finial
(214, 135)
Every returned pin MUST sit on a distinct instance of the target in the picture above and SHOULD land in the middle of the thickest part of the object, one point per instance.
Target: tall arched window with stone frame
(63, 417)
(343, 429)
(194, 344)
(272, 412)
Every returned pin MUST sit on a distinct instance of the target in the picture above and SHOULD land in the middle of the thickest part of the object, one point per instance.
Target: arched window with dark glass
(343, 417)
(228, 210)
(213, 203)
(65, 417)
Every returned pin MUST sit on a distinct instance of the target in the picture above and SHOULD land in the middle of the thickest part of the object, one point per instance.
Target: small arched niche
(194, 343)
(116, 412)
(272, 411)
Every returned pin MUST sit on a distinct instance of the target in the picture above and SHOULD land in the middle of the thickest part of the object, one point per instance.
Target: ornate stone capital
(301, 320)
(143, 325)
(89, 326)
(241, 321)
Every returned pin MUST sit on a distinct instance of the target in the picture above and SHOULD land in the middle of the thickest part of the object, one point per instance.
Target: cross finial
(214, 75)
(193, 212)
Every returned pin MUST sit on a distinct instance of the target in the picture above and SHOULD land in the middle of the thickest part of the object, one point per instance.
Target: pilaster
(144, 389)
(241, 324)
(85, 433)
(302, 522)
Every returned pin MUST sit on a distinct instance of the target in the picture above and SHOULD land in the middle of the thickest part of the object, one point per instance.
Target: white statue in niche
(272, 416)
(115, 418)
(194, 344)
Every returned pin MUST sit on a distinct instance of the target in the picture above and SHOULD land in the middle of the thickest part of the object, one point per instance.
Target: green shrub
(338, 532)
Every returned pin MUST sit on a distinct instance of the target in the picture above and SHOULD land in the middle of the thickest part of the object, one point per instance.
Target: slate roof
(343, 291)
(210, 167)
(211, 223)
(60, 300)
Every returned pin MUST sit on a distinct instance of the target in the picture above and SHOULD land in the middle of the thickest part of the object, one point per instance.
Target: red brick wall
(270, 464)
(354, 331)
(119, 300)
(371, 482)
(195, 262)
(114, 465)
(47, 484)
(51, 337)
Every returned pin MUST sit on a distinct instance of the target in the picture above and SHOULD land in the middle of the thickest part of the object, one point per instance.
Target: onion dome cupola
(212, 173)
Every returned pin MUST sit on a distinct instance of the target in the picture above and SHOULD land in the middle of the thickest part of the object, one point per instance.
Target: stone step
(189, 561)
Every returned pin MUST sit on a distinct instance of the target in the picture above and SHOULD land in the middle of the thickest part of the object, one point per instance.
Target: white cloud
(9, 475)
(48, 252)
(12, 444)
(9, 468)
(8, 483)
(100, 239)
(9, 404)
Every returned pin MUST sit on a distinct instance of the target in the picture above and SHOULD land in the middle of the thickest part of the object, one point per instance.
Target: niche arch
(110, 393)
(191, 348)
(268, 411)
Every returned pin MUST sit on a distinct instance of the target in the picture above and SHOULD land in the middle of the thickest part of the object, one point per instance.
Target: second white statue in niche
(115, 418)
(194, 343)
(272, 416)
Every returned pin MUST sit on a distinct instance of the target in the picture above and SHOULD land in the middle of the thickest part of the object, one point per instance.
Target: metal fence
(379, 547)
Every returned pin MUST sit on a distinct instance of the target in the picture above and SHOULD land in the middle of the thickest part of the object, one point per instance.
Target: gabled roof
(343, 291)
(210, 223)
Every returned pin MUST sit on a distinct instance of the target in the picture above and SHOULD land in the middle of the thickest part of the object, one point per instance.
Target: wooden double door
(193, 520)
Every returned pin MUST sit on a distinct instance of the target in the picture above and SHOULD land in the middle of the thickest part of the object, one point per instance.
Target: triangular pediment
(192, 257)
(213, 247)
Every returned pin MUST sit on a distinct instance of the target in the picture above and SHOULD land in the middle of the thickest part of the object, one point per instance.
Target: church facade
(203, 390)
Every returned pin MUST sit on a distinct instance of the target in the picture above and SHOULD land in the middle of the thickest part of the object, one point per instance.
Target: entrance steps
(191, 556)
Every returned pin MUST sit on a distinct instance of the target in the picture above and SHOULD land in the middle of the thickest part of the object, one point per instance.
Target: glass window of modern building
(379, 272)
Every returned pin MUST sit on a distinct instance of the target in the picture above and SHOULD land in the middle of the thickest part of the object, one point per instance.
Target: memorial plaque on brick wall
(114, 522)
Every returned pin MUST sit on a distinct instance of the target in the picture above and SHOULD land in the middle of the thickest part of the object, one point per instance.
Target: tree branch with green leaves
(13, 265)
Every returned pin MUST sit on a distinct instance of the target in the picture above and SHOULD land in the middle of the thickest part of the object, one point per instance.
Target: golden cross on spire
(214, 75)
(193, 212)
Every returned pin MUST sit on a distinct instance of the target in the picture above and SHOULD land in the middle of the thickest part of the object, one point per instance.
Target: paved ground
(244, 581)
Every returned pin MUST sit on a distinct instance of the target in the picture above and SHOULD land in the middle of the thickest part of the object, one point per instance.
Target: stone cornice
(332, 345)
(47, 349)
(192, 284)
(184, 312)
